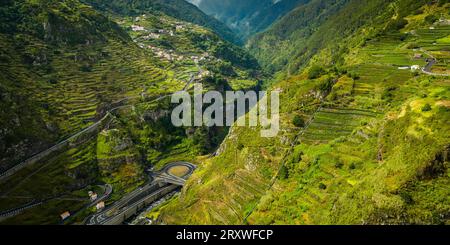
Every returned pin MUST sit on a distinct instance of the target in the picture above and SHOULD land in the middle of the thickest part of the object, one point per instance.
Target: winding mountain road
(18, 210)
(163, 182)
(119, 105)
(166, 178)
(430, 63)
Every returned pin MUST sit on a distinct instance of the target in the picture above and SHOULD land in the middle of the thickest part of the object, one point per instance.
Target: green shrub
(86, 68)
(296, 156)
(240, 146)
(298, 121)
(284, 173)
(426, 108)
(397, 24)
(354, 76)
(407, 198)
(52, 81)
(430, 19)
(413, 46)
(338, 165)
(419, 11)
(322, 186)
(326, 85)
(388, 93)
(315, 72)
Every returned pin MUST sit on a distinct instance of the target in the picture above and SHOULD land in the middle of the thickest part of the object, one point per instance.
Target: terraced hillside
(370, 147)
(179, 9)
(291, 42)
(98, 86)
(187, 47)
(360, 169)
(56, 85)
(333, 123)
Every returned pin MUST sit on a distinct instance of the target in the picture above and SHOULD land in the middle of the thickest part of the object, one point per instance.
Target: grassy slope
(374, 153)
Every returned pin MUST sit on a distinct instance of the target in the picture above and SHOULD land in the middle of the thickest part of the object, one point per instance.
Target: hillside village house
(65, 215)
(137, 28)
(415, 68)
(179, 27)
(100, 205)
(444, 21)
(152, 36)
(94, 197)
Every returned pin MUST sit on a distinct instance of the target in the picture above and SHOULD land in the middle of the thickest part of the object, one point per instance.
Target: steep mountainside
(293, 40)
(57, 60)
(63, 65)
(250, 16)
(364, 133)
(179, 9)
(96, 85)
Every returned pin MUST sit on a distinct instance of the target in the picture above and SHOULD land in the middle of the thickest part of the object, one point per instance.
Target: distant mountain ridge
(250, 16)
